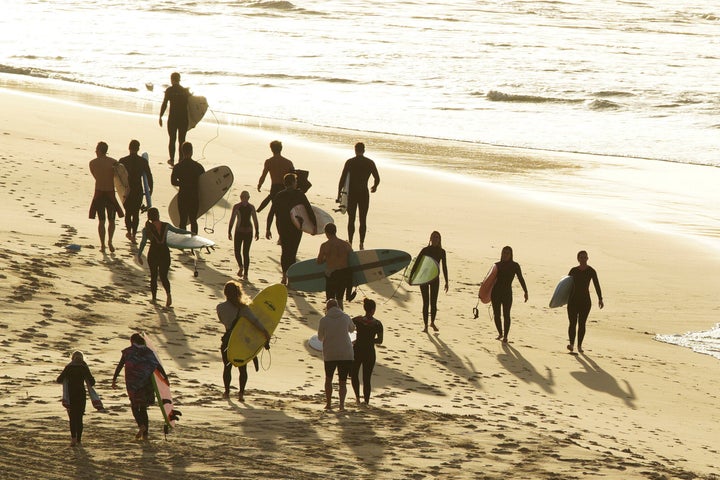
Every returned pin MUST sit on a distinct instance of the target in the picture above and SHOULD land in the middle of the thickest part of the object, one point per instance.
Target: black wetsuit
(369, 333)
(579, 303)
(290, 236)
(158, 256)
(135, 166)
(243, 237)
(77, 374)
(185, 176)
(431, 290)
(359, 168)
(501, 295)
(177, 122)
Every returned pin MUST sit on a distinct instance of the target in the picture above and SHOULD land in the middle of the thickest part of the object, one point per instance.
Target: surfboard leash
(217, 133)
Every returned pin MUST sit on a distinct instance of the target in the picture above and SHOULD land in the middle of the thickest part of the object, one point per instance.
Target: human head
(359, 148)
(276, 147)
(102, 148)
(137, 339)
(369, 306)
(582, 256)
(506, 251)
(290, 180)
(331, 302)
(330, 230)
(435, 239)
(233, 292)
(134, 146)
(175, 78)
(153, 214)
(187, 150)
(77, 356)
(244, 195)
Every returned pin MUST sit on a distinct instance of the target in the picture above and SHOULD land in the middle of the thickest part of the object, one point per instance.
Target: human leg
(425, 292)
(434, 291)
(496, 306)
(172, 134)
(572, 311)
(363, 206)
(247, 242)
(583, 314)
(154, 266)
(329, 373)
(506, 306)
(354, 376)
(237, 250)
(351, 212)
(164, 269)
(343, 370)
(368, 367)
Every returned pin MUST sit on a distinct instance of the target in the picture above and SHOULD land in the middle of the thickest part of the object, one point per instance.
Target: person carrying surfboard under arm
(136, 166)
(139, 362)
(77, 375)
(158, 256)
(501, 296)
(229, 313)
(579, 303)
(359, 168)
(177, 124)
(186, 176)
(277, 166)
(430, 291)
(104, 203)
(335, 254)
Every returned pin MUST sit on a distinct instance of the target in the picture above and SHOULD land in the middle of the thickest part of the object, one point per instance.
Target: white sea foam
(707, 342)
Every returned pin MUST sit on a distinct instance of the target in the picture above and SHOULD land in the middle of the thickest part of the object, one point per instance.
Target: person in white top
(334, 333)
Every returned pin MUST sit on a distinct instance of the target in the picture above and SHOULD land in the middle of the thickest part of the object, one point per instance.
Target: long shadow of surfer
(207, 274)
(450, 360)
(84, 466)
(515, 363)
(595, 378)
(359, 435)
(386, 289)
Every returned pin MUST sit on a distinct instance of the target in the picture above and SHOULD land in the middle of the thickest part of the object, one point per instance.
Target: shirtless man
(335, 253)
(278, 166)
(104, 203)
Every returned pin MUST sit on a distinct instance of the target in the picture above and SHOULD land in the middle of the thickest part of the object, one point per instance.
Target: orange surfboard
(487, 285)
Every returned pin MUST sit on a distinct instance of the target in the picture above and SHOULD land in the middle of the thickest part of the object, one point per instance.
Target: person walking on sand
(229, 312)
(579, 303)
(244, 212)
(139, 362)
(501, 296)
(369, 333)
(158, 256)
(136, 166)
(186, 176)
(177, 124)
(430, 291)
(104, 203)
(290, 236)
(359, 168)
(334, 333)
(277, 166)
(335, 254)
(76, 374)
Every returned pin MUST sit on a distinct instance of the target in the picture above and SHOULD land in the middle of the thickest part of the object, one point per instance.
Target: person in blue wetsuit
(177, 124)
(431, 289)
(579, 303)
(77, 374)
(369, 333)
(359, 168)
(501, 296)
(158, 256)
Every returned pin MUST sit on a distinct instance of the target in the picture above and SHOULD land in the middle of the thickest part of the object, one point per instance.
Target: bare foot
(424, 330)
(434, 327)
(110, 247)
(153, 301)
(570, 347)
(102, 248)
(168, 302)
(499, 337)
(505, 340)
(580, 349)
(239, 274)
(226, 395)
(245, 277)
(328, 407)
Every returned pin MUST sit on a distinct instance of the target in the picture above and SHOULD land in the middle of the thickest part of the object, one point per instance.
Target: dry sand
(452, 404)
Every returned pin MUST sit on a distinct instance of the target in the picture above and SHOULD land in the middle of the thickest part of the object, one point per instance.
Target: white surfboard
(315, 343)
(212, 186)
(187, 241)
(197, 106)
(301, 220)
(344, 193)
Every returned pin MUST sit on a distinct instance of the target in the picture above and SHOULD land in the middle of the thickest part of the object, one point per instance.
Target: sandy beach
(451, 404)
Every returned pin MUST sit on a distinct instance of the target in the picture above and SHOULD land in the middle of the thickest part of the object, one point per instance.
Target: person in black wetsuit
(359, 168)
(290, 236)
(579, 303)
(501, 296)
(159, 254)
(135, 166)
(431, 290)
(177, 124)
(277, 166)
(244, 212)
(77, 375)
(369, 333)
(186, 176)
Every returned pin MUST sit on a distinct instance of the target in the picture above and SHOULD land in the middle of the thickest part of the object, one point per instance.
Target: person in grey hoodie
(334, 333)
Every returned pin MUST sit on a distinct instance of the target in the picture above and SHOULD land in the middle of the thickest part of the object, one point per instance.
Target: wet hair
(245, 193)
(234, 293)
(77, 356)
(330, 303)
(290, 180)
(153, 214)
(134, 145)
(331, 229)
(102, 147)
(137, 339)
(187, 149)
(276, 146)
(580, 253)
(439, 237)
(369, 306)
(359, 148)
(507, 248)
(175, 77)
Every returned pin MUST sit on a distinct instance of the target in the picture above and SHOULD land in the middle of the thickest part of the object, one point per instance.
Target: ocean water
(707, 342)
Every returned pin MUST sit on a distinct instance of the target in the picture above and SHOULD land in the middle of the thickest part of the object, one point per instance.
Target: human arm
(235, 212)
(265, 171)
(521, 279)
(143, 241)
(179, 231)
(443, 261)
(119, 367)
(174, 175)
(61, 378)
(375, 175)
(322, 254)
(149, 176)
(89, 379)
(379, 333)
(163, 107)
(256, 223)
(596, 283)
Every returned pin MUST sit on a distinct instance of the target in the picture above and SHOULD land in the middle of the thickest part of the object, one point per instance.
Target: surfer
(136, 166)
(159, 254)
(177, 124)
(277, 166)
(244, 212)
(359, 168)
(501, 296)
(334, 333)
(185, 176)
(290, 236)
(335, 254)
(579, 303)
(229, 313)
(77, 375)
(139, 362)
(430, 290)
(104, 203)
(369, 333)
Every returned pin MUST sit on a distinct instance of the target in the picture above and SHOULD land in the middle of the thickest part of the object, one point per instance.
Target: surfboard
(212, 186)
(246, 340)
(562, 292)
(301, 220)
(315, 343)
(187, 242)
(94, 397)
(487, 285)
(367, 266)
(162, 391)
(344, 193)
(427, 270)
(197, 106)
(146, 185)
(122, 183)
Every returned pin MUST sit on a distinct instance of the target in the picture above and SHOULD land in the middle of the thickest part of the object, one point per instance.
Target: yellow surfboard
(246, 340)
